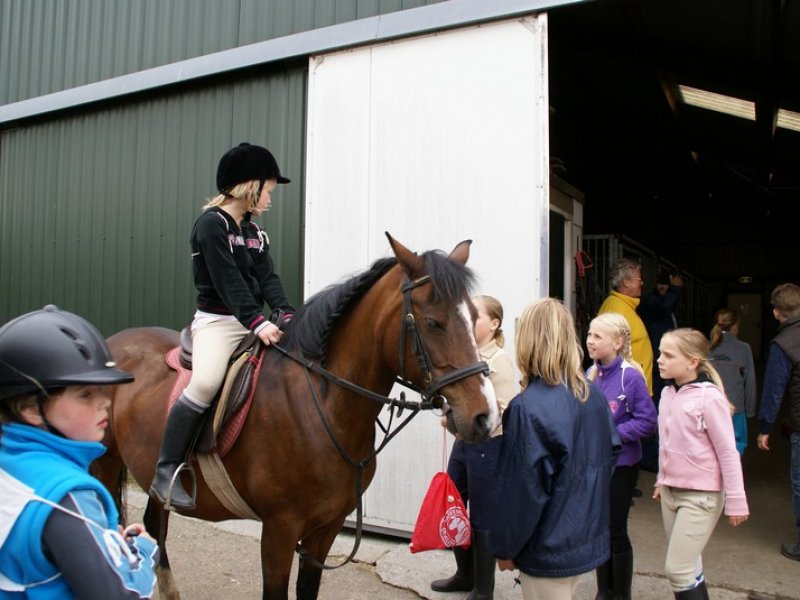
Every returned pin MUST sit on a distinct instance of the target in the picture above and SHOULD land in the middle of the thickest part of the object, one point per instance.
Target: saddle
(223, 422)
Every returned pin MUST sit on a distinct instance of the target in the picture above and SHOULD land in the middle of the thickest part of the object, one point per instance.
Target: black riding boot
(182, 423)
(603, 574)
(462, 580)
(484, 567)
(621, 575)
(698, 593)
(790, 550)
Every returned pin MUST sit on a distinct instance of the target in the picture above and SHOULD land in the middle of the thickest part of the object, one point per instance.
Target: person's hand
(657, 493)
(505, 564)
(270, 334)
(736, 521)
(676, 280)
(763, 441)
(135, 530)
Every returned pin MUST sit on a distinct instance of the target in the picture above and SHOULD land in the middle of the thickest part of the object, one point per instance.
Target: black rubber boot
(182, 423)
(621, 575)
(790, 550)
(484, 567)
(462, 580)
(704, 588)
(603, 574)
(698, 593)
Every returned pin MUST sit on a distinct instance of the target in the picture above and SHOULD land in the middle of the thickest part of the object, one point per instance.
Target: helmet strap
(41, 397)
(261, 183)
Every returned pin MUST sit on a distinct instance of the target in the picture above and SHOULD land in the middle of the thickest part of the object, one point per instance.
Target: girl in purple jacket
(620, 379)
(699, 470)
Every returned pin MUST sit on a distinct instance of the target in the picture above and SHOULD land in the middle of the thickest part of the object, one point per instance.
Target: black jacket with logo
(233, 271)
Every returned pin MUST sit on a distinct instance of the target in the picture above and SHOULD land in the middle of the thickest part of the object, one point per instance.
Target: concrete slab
(741, 564)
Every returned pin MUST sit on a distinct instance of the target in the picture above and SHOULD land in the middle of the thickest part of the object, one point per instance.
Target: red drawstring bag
(442, 521)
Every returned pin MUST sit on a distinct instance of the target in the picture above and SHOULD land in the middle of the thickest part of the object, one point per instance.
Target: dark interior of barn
(716, 194)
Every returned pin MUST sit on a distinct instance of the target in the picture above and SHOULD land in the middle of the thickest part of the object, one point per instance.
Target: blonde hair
(724, 320)
(694, 345)
(548, 348)
(494, 310)
(620, 328)
(247, 191)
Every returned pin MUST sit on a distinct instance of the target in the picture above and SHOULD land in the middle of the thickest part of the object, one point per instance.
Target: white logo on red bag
(454, 529)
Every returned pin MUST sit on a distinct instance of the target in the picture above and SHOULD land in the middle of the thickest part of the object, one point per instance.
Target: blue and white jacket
(59, 536)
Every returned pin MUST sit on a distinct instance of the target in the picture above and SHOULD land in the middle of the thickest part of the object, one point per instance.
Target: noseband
(431, 398)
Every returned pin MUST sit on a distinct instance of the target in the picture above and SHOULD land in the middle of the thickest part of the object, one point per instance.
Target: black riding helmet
(247, 162)
(50, 349)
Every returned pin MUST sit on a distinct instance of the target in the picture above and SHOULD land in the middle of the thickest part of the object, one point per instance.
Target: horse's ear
(461, 252)
(409, 260)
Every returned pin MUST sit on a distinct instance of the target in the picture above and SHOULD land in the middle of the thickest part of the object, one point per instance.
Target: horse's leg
(277, 554)
(317, 544)
(111, 471)
(156, 522)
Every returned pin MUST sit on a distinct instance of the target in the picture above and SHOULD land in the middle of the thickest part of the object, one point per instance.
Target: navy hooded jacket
(552, 482)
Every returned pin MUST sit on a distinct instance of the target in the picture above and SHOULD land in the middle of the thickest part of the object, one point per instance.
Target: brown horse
(306, 449)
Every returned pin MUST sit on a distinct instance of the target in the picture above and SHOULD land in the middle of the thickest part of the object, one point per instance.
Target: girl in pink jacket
(699, 470)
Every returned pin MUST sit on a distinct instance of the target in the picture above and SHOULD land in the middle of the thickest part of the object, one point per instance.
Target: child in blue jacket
(551, 517)
(59, 528)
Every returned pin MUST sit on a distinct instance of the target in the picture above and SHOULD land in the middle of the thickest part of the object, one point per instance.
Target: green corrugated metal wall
(96, 204)
(51, 45)
(96, 208)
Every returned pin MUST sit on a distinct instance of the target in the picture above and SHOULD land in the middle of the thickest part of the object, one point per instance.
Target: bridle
(429, 394)
(431, 398)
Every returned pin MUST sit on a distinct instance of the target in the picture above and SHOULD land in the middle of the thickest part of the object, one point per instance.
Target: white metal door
(434, 139)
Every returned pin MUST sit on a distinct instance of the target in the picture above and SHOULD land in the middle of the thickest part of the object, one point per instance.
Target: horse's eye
(432, 323)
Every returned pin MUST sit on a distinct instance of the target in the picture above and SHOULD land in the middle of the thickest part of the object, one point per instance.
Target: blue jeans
(472, 468)
(740, 431)
(794, 477)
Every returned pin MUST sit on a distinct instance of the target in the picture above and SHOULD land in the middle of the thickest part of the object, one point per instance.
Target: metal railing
(694, 309)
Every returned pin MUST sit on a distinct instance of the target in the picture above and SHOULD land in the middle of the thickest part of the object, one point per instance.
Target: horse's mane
(311, 327)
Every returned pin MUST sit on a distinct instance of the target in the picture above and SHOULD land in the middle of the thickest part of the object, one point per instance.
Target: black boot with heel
(621, 575)
(697, 593)
(463, 579)
(603, 575)
(182, 423)
(484, 567)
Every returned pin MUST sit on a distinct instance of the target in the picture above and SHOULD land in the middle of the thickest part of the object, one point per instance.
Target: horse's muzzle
(480, 428)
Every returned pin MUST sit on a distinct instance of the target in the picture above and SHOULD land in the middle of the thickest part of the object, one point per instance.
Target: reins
(430, 398)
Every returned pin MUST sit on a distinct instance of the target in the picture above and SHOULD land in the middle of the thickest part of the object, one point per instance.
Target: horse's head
(438, 349)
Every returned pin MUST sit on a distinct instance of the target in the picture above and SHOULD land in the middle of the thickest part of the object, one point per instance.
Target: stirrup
(184, 466)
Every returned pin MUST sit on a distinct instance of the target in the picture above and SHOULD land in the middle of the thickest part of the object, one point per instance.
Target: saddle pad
(230, 432)
(184, 375)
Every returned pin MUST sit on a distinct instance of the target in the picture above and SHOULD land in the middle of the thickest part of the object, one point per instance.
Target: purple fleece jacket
(634, 413)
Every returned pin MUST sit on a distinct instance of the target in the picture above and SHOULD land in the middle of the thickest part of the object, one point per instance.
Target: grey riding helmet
(50, 349)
